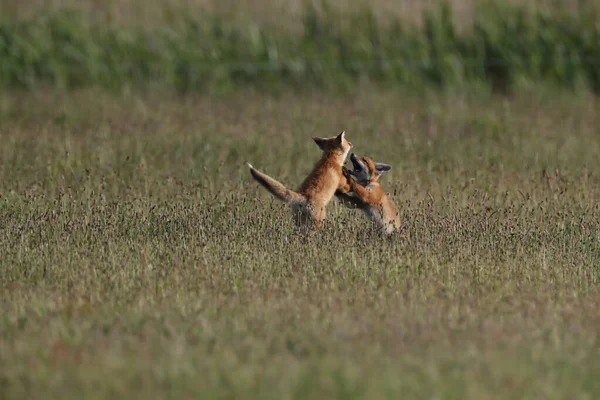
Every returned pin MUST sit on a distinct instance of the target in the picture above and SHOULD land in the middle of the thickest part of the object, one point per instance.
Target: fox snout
(355, 162)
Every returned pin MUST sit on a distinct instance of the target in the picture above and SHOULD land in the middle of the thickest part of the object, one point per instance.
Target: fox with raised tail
(309, 202)
(362, 190)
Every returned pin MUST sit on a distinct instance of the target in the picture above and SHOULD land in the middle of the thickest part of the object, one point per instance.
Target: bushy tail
(274, 187)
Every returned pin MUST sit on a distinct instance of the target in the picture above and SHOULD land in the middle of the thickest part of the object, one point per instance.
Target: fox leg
(319, 217)
(344, 192)
(361, 193)
(344, 186)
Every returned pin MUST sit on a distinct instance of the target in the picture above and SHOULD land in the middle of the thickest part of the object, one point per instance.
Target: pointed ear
(381, 167)
(340, 138)
(320, 142)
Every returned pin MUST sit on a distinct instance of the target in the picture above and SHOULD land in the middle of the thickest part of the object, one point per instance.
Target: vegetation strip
(503, 45)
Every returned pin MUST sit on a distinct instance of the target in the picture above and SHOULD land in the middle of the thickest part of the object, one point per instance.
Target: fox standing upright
(309, 202)
(362, 190)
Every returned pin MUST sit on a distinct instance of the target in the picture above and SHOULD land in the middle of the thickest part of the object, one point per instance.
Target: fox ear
(340, 138)
(320, 142)
(381, 167)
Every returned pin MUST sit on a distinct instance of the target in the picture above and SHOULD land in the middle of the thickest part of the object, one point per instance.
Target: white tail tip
(250, 166)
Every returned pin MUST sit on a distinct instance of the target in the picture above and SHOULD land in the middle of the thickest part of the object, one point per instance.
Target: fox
(308, 203)
(361, 189)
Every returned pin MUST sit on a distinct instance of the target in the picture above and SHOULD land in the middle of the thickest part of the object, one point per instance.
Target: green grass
(502, 46)
(138, 259)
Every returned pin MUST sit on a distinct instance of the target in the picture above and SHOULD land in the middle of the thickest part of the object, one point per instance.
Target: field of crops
(138, 258)
(502, 46)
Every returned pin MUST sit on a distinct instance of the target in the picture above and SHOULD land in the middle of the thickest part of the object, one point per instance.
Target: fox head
(337, 145)
(366, 170)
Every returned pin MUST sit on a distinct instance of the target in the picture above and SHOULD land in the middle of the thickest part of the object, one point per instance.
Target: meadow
(140, 260)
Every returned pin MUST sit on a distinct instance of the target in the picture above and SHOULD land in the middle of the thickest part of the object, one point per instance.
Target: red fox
(367, 194)
(309, 202)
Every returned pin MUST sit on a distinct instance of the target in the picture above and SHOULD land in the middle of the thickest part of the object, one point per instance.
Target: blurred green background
(219, 46)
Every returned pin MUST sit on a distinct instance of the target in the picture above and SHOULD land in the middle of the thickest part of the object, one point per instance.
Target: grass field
(138, 259)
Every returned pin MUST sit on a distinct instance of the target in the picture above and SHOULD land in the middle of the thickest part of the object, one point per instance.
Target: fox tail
(276, 188)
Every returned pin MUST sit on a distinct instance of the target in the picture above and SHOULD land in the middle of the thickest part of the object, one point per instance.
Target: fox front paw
(346, 172)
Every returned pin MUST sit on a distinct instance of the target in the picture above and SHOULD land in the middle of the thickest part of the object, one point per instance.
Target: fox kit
(309, 202)
(366, 193)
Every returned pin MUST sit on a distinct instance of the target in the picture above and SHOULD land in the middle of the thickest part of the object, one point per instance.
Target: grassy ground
(139, 260)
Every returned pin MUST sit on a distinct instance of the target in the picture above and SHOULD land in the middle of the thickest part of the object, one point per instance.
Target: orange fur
(309, 202)
(368, 195)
